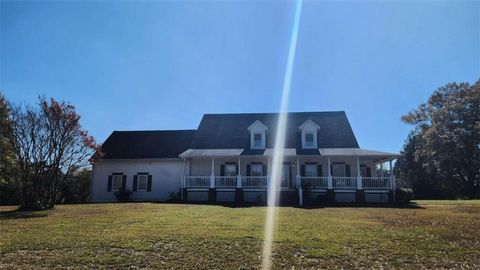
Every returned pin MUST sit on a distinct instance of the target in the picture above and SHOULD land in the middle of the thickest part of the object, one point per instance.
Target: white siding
(166, 178)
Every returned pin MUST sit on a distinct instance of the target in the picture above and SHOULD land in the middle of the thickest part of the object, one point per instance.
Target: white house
(227, 160)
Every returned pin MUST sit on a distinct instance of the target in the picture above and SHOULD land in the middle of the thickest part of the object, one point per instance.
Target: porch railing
(197, 181)
(254, 181)
(344, 182)
(315, 182)
(225, 181)
(375, 182)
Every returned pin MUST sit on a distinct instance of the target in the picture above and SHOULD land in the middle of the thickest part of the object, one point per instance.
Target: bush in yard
(174, 197)
(123, 195)
(403, 195)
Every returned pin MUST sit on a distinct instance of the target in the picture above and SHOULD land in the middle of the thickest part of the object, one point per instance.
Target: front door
(286, 181)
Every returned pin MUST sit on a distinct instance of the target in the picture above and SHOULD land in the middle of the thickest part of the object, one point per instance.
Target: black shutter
(347, 170)
(319, 170)
(135, 179)
(369, 172)
(236, 169)
(222, 170)
(109, 185)
(302, 170)
(249, 170)
(264, 169)
(124, 182)
(149, 183)
(331, 170)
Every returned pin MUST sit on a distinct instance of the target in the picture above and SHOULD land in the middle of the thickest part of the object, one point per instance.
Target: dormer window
(257, 140)
(308, 132)
(257, 135)
(309, 139)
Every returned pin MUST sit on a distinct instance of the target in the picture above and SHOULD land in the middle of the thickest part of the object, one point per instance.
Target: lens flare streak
(279, 146)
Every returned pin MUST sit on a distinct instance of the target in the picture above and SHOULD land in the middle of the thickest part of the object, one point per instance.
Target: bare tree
(50, 146)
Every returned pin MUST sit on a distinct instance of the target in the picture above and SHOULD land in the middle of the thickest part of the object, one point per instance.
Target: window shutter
(149, 183)
(319, 170)
(369, 172)
(302, 170)
(124, 182)
(135, 179)
(331, 170)
(109, 185)
(249, 171)
(347, 170)
(264, 169)
(222, 170)
(237, 170)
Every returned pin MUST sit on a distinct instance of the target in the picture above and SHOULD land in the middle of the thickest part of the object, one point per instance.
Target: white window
(309, 139)
(338, 170)
(256, 169)
(142, 182)
(311, 170)
(116, 182)
(230, 169)
(257, 140)
(363, 171)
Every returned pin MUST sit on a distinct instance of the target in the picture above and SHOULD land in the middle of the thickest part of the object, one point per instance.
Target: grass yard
(438, 234)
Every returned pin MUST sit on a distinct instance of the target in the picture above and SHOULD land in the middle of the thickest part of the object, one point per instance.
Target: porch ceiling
(354, 152)
(326, 152)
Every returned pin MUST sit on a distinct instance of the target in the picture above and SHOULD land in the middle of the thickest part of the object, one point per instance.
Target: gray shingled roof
(229, 131)
(147, 144)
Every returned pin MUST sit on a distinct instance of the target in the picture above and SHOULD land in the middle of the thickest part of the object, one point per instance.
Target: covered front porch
(345, 176)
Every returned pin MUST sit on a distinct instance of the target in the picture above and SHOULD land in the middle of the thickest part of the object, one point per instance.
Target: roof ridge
(154, 130)
(273, 113)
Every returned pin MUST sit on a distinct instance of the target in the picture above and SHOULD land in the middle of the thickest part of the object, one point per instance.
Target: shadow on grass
(18, 214)
(411, 205)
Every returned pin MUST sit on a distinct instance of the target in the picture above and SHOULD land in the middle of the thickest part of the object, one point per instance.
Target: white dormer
(309, 132)
(257, 135)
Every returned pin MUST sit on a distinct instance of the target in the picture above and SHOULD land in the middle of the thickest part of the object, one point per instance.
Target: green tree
(442, 154)
(76, 188)
(8, 191)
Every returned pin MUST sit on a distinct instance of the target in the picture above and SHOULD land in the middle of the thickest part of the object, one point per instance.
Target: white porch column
(298, 176)
(299, 184)
(330, 180)
(381, 169)
(392, 177)
(239, 175)
(212, 176)
(268, 174)
(182, 185)
(359, 176)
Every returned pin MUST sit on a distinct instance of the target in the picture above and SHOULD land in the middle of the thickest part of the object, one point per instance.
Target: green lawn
(438, 234)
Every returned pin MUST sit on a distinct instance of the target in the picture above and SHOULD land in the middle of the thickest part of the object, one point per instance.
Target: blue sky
(162, 65)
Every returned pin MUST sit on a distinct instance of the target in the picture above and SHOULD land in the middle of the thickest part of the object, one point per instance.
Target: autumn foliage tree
(441, 157)
(50, 146)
